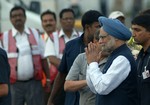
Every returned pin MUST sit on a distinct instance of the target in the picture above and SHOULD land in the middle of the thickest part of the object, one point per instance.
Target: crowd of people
(67, 67)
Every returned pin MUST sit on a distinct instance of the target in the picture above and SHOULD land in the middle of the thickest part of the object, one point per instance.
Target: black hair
(66, 10)
(90, 17)
(144, 12)
(142, 20)
(17, 8)
(50, 13)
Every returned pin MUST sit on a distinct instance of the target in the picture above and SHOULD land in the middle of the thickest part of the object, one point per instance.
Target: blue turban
(115, 28)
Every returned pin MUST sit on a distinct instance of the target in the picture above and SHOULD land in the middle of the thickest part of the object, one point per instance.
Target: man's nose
(100, 41)
(133, 33)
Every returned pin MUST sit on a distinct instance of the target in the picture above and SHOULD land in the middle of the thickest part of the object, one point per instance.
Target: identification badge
(146, 74)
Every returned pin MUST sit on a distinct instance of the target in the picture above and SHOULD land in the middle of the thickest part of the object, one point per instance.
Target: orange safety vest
(53, 70)
(13, 61)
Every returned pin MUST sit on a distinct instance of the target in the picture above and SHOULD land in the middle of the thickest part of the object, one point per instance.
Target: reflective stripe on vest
(13, 55)
(61, 43)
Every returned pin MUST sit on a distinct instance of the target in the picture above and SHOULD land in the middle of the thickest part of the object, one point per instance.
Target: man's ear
(87, 28)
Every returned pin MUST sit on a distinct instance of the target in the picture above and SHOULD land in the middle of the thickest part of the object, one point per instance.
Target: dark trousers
(29, 92)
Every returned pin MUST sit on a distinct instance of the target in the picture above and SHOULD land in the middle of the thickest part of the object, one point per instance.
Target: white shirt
(103, 84)
(52, 47)
(66, 38)
(25, 69)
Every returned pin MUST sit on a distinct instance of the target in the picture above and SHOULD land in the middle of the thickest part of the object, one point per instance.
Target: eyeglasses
(66, 19)
(17, 15)
(103, 36)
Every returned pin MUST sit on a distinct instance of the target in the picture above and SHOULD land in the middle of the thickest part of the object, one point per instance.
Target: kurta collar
(15, 32)
(74, 33)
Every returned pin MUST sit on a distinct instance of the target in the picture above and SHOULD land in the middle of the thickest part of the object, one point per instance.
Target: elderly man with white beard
(116, 83)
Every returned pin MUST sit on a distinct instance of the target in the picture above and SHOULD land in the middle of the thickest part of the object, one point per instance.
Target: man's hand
(93, 53)
(3, 90)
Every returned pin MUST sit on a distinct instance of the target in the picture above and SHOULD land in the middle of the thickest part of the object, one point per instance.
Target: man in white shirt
(116, 83)
(49, 23)
(67, 33)
(25, 50)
